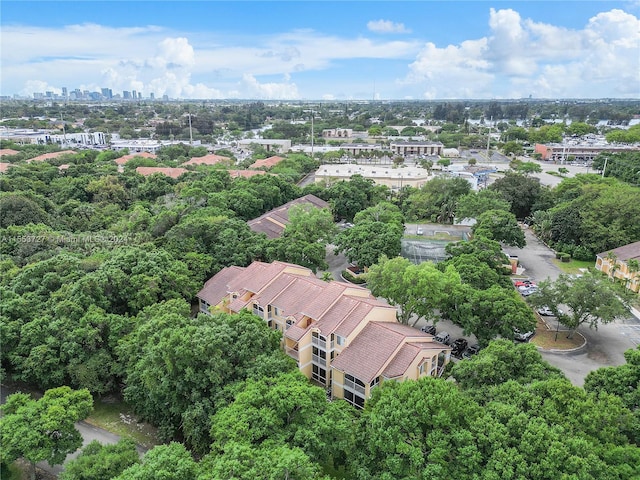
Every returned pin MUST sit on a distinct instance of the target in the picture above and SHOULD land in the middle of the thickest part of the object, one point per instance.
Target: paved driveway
(605, 346)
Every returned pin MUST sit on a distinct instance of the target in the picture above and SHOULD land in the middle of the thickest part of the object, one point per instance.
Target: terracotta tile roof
(376, 347)
(169, 172)
(401, 361)
(215, 289)
(124, 159)
(273, 222)
(8, 152)
(266, 162)
(624, 253)
(408, 353)
(64, 166)
(336, 314)
(291, 292)
(356, 316)
(246, 173)
(211, 159)
(49, 156)
(295, 333)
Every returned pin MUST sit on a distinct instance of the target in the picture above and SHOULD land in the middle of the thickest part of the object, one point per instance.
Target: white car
(419, 231)
(546, 311)
(522, 337)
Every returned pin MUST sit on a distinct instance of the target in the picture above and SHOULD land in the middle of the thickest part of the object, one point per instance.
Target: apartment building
(622, 263)
(340, 335)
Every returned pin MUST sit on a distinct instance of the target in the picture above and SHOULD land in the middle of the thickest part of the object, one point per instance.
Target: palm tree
(633, 267)
(612, 260)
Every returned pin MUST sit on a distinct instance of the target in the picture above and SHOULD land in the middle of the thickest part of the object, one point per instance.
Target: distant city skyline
(315, 50)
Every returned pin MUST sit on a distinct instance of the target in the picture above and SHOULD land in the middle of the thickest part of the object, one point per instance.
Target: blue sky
(309, 50)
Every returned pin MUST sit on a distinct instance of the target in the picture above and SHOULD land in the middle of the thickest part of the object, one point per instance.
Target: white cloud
(268, 91)
(519, 57)
(387, 26)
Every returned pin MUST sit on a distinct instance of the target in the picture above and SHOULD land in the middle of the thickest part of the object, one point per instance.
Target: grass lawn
(573, 266)
(117, 418)
(547, 338)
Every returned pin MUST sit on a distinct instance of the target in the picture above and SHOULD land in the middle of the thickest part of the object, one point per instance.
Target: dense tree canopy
(43, 429)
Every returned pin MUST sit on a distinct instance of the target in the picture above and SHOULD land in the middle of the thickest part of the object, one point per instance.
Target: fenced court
(430, 245)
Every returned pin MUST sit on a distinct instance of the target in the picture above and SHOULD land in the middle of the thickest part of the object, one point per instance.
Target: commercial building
(340, 335)
(417, 148)
(579, 152)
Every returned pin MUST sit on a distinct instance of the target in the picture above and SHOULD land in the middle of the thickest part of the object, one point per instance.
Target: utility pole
(489, 137)
(311, 133)
(605, 166)
(190, 131)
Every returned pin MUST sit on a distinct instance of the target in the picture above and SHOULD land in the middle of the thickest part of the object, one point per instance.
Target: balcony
(292, 352)
(319, 342)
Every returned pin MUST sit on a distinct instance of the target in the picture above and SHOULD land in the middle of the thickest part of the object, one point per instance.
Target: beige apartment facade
(341, 337)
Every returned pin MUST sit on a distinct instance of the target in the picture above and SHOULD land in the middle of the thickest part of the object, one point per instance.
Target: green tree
(43, 429)
(591, 300)
(286, 410)
(418, 429)
(382, 212)
(489, 313)
(418, 290)
(166, 462)
(20, 210)
(502, 361)
(501, 226)
(366, 241)
(101, 462)
(525, 168)
(436, 200)
(177, 367)
(266, 461)
(474, 204)
(521, 191)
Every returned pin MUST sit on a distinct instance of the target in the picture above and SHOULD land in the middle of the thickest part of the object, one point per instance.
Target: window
(319, 374)
(353, 399)
(374, 382)
(258, 310)
(340, 340)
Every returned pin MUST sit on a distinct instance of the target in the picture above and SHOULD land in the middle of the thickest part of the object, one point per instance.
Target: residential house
(211, 159)
(267, 162)
(273, 222)
(50, 156)
(340, 335)
(622, 263)
(169, 172)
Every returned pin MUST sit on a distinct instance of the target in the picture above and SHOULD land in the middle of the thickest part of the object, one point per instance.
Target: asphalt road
(89, 433)
(605, 346)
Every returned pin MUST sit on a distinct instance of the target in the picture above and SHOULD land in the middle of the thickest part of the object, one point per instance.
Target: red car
(524, 283)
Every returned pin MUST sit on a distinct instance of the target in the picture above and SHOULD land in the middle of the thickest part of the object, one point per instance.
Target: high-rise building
(134, 94)
(126, 94)
(152, 96)
(107, 93)
(65, 94)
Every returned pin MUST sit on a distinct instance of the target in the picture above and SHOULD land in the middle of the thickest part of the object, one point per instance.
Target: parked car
(470, 351)
(525, 292)
(524, 283)
(546, 311)
(419, 231)
(522, 337)
(443, 337)
(458, 346)
(430, 329)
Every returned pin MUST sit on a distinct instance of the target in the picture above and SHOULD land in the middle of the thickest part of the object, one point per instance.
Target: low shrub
(565, 257)
(346, 274)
